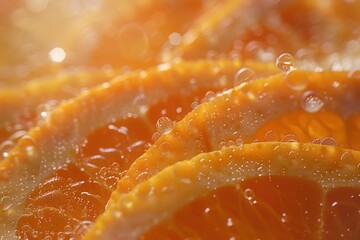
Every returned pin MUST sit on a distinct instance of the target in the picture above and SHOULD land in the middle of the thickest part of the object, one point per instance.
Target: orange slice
(241, 114)
(138, 41)
(99, 134)
(263, 30)
(25, 105)
(267, 191)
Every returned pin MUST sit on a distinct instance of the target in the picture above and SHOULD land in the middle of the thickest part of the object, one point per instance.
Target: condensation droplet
(210, 95)
(164, 147)
(194, 105)
(270, 136)
(346, 156)
(175, 38)
(289, 138)
(81, 229)
(296, 80)
(5, 148)
(311, 102)
(6, 203)
(249, 194)
(164, 125)
(229, 222)
(329, 141)
(243, 76)
(141, 103)
(285, 62)
(239, 142)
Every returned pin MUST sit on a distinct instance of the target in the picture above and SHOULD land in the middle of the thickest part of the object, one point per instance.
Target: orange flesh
(107, 153)
(101, 161)
(262, 207)
(353, 131)
(275, 207)
(309, 127)
(342, 214)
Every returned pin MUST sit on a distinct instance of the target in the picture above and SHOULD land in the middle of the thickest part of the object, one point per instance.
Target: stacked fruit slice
(200, 149)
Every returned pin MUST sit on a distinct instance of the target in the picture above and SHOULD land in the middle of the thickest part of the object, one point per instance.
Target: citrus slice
(41, 96)
(240, 115)
(138, 41)
(263, 30)
(99, 134)
(259, 190)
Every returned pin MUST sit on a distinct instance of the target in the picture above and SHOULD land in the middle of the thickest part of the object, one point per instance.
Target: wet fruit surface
(179, 119)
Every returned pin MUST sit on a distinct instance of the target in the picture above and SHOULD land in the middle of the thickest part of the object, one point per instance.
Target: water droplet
(81, 229)
(175, 38)
(60, 236)
(296, 80)
(5, 148)
(283, 218)
(6, 203)
(194, 105)
(35, 234)
(243, 76)
(249, 194)
(141, 103)
(285, 62)
(270, 136)
(210, 95)
(311, 102)
(289, 138)
(239, 142)
(155, 136)
(346, 156)
(229, 222)
(164, 125)
(164, 147)
(329, 141)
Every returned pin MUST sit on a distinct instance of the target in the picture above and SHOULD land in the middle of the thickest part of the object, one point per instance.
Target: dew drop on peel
(244, 75)
(164, 125)
(285, 62)
(296, 80)
(311, 102)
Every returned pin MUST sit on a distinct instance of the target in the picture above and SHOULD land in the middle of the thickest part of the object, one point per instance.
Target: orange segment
(236, 116)
(103, 115)
(353, 130)
(255, 191)
(255, 208)
(342, 216)
(64, 201)
(108, 152)
(321, 127)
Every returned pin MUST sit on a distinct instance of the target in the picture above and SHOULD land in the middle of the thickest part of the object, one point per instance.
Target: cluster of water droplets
(163, 126)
